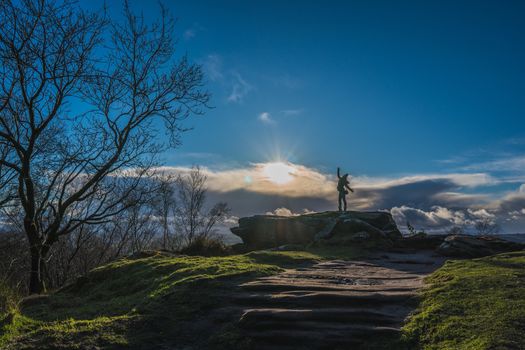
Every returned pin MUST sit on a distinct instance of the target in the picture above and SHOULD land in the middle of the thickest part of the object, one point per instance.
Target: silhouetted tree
(122, 80)
(191, 218)
(486, 226)
(7, 174)
(165, 204)
(456, 230)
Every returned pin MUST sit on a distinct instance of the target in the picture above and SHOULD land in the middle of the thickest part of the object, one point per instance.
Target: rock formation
(267, 231)
(465, 246)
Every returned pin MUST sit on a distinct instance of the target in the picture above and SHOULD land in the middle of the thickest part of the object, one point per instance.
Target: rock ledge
(267, 231)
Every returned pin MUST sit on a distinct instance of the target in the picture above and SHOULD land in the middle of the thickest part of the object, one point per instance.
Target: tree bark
(37, 274)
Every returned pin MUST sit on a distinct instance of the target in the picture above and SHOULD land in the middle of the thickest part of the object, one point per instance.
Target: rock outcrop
(420, 241)
(267, 231)
(465, 246)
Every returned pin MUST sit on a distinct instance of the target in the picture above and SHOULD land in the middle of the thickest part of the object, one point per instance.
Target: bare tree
(486, 226)
(456, 230)
(61, 262)
(192, 220)
(53, 61)
(192, 194)
(129, 231)
(13, 262)
(165, 204)
(7, 176)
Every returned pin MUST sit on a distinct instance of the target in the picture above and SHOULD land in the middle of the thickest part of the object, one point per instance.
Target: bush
(8, 299)
(206, 246)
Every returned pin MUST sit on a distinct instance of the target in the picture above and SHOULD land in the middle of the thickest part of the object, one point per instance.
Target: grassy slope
(144, 302)
(473, 304)
(162, 299)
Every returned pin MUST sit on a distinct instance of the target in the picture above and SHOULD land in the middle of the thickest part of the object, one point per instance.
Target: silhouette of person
(342, 186)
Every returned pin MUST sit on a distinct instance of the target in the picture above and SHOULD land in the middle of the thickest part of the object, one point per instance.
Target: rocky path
(334, 304)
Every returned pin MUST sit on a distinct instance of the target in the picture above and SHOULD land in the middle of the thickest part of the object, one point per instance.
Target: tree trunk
(36, 278)
(165, 233)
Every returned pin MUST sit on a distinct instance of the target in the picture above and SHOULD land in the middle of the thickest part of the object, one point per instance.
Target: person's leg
(341, 196)
(344, 200)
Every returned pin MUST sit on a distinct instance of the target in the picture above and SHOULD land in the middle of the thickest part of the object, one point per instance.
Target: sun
(279, 173)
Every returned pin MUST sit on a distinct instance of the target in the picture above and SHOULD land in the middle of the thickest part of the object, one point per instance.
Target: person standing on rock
(342, 185)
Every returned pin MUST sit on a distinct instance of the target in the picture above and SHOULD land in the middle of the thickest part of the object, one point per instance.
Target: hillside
(157, 300)
(142, 302)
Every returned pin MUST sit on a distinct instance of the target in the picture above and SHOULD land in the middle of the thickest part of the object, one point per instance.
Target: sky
(422, 102)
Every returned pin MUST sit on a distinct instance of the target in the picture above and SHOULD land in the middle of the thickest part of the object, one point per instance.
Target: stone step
(349, 338)
(326, 318)
(314, 326)
(309, 286)
(333, 305)
(386, 278)
(324, 299)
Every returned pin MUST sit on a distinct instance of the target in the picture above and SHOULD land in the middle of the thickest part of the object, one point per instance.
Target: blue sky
(422, 93)
(382, 88)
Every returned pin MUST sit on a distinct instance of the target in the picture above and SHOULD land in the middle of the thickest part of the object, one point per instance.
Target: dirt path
(334, 304)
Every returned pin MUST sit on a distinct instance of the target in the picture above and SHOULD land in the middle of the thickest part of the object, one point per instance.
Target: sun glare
(278, 173)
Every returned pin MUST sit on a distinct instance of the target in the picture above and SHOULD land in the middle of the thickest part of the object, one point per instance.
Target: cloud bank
(434, 202)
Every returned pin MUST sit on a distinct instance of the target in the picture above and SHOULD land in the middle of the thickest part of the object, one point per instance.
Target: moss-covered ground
(472, 304)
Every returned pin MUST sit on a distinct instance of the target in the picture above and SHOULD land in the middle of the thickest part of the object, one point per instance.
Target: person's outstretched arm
(349, 189)
(338, 173)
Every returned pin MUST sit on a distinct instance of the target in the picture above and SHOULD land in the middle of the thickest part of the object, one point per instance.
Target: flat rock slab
(334, 304)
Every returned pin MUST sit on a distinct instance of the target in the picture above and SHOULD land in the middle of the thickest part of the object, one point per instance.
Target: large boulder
(420, 241)
(266, 231)
(465, 246)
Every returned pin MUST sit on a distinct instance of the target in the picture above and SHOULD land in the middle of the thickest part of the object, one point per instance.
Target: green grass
(141, 303)
(472, 304)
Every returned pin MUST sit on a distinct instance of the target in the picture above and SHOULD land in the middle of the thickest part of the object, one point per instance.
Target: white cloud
(230, 79)
(481, 213)
(287, 212)
(281, 212)
(240, 88)
(514, 163)
(189, 34)
(292, 112)
(231, 221)
(266, 118)
(213, 67)
(437, 217)
(304, 181)
(460, 179)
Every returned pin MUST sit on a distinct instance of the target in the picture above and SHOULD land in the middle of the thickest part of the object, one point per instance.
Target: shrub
(206, 246)
(8, 299)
